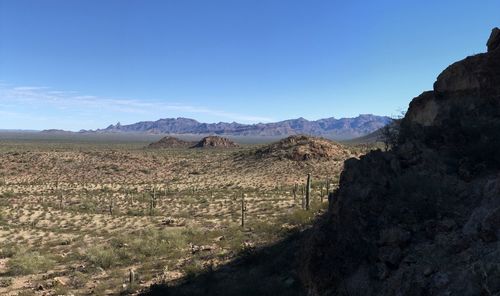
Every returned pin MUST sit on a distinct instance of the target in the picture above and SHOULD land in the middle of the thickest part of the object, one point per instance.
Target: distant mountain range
(343, 128)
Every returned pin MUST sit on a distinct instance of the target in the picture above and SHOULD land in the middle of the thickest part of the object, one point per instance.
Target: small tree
(389, 134)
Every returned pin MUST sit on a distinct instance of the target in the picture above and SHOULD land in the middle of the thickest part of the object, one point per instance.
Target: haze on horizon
(87, 64)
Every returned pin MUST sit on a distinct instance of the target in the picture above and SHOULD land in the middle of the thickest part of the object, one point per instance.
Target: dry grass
(75, 218)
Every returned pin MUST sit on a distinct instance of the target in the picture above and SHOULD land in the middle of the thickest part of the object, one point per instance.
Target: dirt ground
(81, 218)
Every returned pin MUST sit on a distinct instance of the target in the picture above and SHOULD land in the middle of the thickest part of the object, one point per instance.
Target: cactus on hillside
(308, 191)
(243, 210)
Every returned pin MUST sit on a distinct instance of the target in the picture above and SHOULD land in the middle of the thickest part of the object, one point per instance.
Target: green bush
(29, 263)
(8, 251)
(102, 256)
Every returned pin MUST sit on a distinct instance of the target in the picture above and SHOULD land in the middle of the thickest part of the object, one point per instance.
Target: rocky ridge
(424, 217)
(343, 128)
(215, 142)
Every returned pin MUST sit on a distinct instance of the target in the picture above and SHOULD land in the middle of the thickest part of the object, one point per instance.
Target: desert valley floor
(83, 217)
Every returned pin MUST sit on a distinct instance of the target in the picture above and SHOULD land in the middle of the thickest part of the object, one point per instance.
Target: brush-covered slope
(170, 142)
(303, 147)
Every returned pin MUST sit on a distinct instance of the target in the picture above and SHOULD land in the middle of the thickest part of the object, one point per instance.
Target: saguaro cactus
(327, 185)
(308, 191)
(243, 210)
(152, 202)
(131, 277)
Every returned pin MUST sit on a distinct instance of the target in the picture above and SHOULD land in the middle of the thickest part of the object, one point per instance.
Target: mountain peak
(344, 128)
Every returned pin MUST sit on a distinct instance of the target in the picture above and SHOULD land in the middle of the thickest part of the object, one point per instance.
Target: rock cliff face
(215, 142)
(423, 218)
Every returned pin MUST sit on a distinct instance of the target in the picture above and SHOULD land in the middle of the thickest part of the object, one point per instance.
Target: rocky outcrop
(301, 147)
(215, 142)
(170, 142)
(423, 218)
(494, 40)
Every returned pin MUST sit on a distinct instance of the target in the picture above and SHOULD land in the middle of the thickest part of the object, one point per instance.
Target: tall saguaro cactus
(131, 277)
(308, 191)
(243, 210)
(152, 201)
(111, 204)
(327, 185)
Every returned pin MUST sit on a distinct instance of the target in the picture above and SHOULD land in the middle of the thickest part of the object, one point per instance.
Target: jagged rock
(343, 128)
(215, 142)
(423, 218)
(494, 40)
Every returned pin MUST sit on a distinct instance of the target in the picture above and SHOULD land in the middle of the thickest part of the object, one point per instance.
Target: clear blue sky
(89, 63)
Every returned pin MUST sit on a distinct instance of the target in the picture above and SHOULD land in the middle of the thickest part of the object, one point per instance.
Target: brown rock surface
(215, 142)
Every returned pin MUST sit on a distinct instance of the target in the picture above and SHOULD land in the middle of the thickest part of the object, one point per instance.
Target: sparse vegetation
(84, 217)
(25, 262)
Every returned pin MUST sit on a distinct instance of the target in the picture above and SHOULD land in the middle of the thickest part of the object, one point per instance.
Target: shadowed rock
(423, 218)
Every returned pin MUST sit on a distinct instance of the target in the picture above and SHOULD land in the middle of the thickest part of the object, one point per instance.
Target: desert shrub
(299, 217)
(7, 194)
(78, 280)
(8, 250)
(234, 239)
(149, 243)
(2, 219)
(102, 256)
(389, 134)
(192, 268)
(5, 282)
(135, 212)
(28, 263)
(197, 236)
(87, 206)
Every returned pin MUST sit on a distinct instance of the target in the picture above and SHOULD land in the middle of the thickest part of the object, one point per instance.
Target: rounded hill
(302, 147)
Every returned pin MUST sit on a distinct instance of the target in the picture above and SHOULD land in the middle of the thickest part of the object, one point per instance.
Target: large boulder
(423, 218)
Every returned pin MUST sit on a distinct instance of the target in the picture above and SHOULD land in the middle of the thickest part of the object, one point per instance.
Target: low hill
(303, 147)
(215, 142)
(170, 142)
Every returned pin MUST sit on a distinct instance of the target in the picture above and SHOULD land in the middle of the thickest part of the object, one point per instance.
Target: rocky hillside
(170, 142)
(344, 128)
(423, 218)
(215, 142)
(303, 147)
